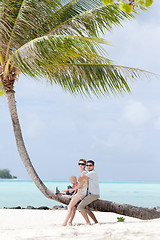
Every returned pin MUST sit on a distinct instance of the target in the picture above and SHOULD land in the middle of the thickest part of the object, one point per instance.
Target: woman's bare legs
(72, 203)
(72, 215)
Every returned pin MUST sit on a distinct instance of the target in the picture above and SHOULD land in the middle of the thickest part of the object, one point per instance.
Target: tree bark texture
(98, 205)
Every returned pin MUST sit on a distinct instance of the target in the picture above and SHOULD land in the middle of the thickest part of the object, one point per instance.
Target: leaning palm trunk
(10, 94)
(20, 144)
(98, 205)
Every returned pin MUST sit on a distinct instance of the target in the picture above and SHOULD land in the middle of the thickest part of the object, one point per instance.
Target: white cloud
(135, 113)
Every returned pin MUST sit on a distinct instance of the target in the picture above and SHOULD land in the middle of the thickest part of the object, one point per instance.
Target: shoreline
(55, 207)
(100, 181)
(45, 225)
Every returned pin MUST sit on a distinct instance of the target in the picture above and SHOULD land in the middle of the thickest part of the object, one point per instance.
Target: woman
(81, 193)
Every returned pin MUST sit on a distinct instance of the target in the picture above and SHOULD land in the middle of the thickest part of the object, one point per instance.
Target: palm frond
(44, 52)
(57, 40)
(24, 20)
(90, 78)
(95, 78)
(87, 22)
(2, 92)
(73, 63)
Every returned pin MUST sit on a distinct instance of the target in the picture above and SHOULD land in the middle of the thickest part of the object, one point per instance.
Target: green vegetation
(120, 219)
(130, 5)
(2, 93)
(5, 174)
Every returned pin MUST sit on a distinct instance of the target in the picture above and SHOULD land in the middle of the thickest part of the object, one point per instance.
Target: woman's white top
(82, 191)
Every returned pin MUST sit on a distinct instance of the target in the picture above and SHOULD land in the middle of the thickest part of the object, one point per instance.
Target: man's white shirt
(93, 185)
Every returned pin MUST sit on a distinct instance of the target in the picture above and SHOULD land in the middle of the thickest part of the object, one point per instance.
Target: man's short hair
(91, 161)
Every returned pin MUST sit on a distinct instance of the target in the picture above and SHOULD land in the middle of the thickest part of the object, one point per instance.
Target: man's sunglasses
(89, 165)
(83, 164)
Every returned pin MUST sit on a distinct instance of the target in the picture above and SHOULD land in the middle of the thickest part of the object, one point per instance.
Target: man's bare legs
(84, 214)
(85, 202)
(91, 214)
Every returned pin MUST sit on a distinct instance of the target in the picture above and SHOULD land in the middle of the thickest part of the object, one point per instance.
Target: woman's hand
(70, 190)
(81, 179)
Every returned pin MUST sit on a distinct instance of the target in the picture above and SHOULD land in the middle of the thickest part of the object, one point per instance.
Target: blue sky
(121, 134)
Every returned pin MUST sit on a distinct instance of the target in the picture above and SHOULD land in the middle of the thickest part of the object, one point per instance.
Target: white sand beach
(46, 225)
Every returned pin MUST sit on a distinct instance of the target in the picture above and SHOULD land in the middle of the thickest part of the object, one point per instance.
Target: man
(92, 193)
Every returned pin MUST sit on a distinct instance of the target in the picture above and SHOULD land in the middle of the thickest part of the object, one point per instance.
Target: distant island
(5, 174)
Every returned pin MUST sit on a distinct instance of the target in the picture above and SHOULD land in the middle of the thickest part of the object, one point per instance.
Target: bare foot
(70, 223)
(64, 224)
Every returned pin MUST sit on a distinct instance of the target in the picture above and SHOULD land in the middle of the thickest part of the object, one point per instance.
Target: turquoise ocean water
(24, 193)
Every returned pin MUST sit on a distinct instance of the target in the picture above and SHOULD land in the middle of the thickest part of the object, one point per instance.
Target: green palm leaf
(75, 64)
(57, 40)
(45, 53)
(85, 21)
(24, 20)
(2, 93)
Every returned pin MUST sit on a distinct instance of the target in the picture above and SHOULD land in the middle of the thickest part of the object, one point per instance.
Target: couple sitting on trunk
(85, 192)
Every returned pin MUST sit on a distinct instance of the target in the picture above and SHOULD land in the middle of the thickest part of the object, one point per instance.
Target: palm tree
(58, 40)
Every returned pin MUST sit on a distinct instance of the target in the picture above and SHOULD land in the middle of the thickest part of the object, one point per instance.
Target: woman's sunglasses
(82, 164)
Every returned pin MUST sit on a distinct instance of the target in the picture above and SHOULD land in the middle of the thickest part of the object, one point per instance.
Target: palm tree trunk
(21, 146)
(124, 209)
(98, 205)
(23, 152)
